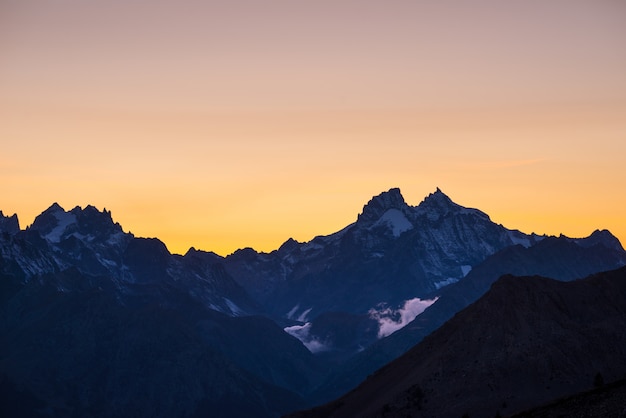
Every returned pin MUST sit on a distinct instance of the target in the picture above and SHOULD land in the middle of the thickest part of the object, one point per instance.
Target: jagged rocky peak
(9, 224)
(438, 199)
(378, 205)
(438, 204)
(55, 207)
(92, 221)
(288, 246)
(55, 222)
(52, 222)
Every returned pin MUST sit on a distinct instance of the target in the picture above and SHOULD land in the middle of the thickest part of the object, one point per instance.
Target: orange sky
(222, 125)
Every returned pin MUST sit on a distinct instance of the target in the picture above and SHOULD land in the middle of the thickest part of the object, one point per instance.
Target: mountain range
(98, 322)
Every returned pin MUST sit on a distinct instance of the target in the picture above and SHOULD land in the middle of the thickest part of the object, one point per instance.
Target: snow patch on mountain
(31, 264)
(446, 282)
(302, 332)
(64, 219)
(519, 239)
(396, 221)
(117, 238)
(293, 311)
(106, 262)
(234, 309)
(390, 320)
(304, 315)
(466, 270)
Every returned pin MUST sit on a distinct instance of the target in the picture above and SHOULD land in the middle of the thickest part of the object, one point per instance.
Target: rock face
(88, 240)
(9, 224)
(527, 341)
(392, 253)
(374, 210)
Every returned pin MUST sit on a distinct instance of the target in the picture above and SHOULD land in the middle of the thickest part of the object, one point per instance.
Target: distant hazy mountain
(94, 320)
(527, 341)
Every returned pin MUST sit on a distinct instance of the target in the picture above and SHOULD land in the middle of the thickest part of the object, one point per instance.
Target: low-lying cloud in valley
(301, 332)
(390, 320)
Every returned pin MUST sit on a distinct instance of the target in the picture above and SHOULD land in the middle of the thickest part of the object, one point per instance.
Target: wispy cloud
(302, 332)
(391, 320)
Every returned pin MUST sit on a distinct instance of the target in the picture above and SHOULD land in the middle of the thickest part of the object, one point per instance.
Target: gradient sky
(226, 124)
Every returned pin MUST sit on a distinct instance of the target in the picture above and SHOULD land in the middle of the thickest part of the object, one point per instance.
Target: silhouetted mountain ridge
(526, 341)
(560, 258)
(81, 300)
(398, 251)
(9, 224)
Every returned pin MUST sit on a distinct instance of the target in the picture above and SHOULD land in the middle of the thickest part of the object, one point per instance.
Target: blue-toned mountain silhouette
(98, 322)
(527, 341)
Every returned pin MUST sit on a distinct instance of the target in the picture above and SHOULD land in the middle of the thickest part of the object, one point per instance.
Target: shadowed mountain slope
(603, 401)
(97, 322)
(527, 341)
(85, 353)
(559, 258)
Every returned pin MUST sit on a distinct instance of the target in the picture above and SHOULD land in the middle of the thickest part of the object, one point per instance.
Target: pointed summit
(378, 205)
(53, 222)
(289, 245)
(55, 207)
(439, 197)
(438, 201)
(438, 204)
(9, 224)
(91, 220)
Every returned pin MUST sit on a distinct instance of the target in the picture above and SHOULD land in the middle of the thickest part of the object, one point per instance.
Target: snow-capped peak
(53, 222)
(64, 219)
(378, 205)
(396, 221)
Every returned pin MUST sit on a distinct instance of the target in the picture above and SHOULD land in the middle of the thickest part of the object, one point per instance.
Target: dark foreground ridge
(603, 401)
(529, 340)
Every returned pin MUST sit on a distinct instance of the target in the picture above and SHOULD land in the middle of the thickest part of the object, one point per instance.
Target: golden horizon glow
(223, 126)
